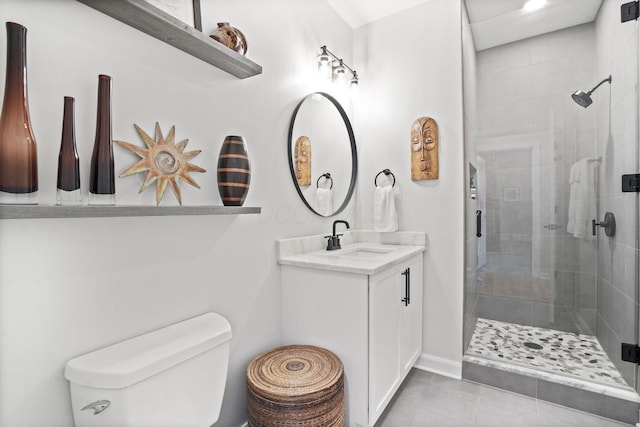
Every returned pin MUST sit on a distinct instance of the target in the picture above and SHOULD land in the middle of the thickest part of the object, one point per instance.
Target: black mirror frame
(354, 153)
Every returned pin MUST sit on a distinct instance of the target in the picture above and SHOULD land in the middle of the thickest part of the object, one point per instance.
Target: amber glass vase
(102, 187)
(18, 151)
(68, 188)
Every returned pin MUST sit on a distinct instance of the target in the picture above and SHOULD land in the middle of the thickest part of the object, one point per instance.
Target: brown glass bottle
(18, 151)
(102, 188)
(68, 188)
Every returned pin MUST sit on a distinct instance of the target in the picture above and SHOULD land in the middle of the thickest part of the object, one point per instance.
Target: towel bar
(325, 176)
(386, 172)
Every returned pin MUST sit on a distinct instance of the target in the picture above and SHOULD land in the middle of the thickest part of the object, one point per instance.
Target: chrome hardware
(407, 287)
(387, 172)
(629, 11)
(631, 353)
(609, 225)
(631, 183)
(97, 406)
(334, 240)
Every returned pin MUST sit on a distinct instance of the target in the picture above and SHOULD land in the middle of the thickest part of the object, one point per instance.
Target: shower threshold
(569, 369)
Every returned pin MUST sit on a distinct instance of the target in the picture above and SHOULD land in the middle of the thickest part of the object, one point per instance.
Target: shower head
(584, 99)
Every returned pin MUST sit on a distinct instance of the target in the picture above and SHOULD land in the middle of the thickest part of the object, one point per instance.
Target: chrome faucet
(334, 240)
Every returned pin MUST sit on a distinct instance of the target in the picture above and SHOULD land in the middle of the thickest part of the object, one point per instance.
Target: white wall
(411, 66)
(69, 286)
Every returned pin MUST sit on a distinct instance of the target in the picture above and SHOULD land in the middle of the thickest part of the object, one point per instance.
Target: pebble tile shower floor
(579, 356)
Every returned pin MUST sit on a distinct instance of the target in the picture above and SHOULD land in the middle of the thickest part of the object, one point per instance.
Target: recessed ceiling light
(532, 5)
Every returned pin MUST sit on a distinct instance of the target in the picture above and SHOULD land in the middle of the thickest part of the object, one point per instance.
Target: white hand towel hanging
(585, 200)
(574, 173)
(324, 201)
(582, 197)
(385, 216)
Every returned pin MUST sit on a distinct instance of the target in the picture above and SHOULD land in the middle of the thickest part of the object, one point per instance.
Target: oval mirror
(322, 154)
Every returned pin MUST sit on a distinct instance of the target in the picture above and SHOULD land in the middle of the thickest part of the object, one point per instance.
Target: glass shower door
(616, 107)
(550, 167)
(516, 255)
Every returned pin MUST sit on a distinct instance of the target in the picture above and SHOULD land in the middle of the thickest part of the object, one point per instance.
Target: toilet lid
(136, 359)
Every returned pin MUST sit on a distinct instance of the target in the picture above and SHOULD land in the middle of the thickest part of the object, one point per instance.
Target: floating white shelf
(153, 21)
(85, 211)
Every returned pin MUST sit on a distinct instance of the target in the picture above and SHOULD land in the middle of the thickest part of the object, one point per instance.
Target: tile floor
(579, 356)
(427, 399)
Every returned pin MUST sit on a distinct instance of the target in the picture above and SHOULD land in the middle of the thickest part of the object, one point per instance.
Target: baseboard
(439, 365)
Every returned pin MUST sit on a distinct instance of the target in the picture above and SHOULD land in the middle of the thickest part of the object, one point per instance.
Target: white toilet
(172, 377)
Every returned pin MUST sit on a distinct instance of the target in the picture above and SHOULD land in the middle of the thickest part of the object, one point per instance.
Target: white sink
(362, 252)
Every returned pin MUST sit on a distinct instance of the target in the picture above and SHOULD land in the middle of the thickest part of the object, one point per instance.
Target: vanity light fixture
(532, 5)
(325, 67)
(333, 68)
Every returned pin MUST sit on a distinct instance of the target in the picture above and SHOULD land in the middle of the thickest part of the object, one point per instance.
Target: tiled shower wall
(530, 132)
(617, 121)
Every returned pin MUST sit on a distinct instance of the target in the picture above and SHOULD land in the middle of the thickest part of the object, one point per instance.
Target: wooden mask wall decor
(302, 160)
(424, 149)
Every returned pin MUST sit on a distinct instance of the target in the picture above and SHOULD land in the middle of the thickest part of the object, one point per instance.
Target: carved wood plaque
(424, 149)
(302, 160)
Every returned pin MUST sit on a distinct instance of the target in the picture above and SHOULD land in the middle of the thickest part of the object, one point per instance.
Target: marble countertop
(363, 251)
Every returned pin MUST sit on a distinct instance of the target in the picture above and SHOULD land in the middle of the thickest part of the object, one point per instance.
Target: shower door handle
(478, 223)
(609, 225)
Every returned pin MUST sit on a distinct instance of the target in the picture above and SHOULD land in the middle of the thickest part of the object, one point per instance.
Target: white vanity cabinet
(395, 331)
(372, 322)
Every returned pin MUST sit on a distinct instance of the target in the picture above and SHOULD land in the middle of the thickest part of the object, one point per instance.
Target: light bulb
(324, 64)
(532, 5)
(340, 75)
(354, 79)
(354, 84)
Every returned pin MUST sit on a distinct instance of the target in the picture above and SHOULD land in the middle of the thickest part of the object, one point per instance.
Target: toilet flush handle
(97, 406)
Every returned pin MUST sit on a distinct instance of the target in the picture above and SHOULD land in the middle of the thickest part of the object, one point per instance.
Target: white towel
(573, 190)
(582, 197)
(324, 201)
(385, 216)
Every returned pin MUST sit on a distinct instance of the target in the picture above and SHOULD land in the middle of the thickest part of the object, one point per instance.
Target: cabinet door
(411, 317)
(384, 340)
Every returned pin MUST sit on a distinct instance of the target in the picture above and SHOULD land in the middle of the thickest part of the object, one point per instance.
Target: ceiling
(493, 22)
(360, 12)
(496, 22)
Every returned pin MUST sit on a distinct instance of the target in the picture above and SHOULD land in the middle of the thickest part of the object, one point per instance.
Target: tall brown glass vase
(102, 186)
(68, 188)
(18, 151)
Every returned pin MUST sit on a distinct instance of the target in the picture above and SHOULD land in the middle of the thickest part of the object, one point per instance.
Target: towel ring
(386, 172)
(325, 176)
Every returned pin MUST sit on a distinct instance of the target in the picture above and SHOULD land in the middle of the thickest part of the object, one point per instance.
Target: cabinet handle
(407, 275)
(408, 286)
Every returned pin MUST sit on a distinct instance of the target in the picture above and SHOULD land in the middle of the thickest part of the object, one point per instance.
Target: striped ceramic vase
(234, 171)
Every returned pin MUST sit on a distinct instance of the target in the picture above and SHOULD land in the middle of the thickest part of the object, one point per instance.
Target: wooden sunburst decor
(164, 161)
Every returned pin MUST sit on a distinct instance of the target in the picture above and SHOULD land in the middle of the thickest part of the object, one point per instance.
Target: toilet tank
(171, 377)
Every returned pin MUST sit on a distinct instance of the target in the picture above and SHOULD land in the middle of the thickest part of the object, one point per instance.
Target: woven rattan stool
(296, 385)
